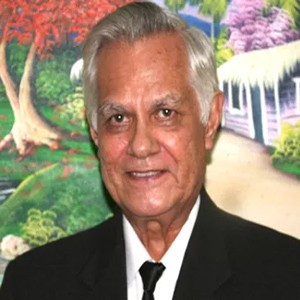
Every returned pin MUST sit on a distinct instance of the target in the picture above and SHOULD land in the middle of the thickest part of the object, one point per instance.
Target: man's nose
(143, 142)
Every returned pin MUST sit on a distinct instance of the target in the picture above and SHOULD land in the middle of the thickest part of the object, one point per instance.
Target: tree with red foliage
(44, 25)
(89, 12)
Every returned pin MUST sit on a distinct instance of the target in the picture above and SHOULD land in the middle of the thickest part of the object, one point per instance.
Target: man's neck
(157, 234)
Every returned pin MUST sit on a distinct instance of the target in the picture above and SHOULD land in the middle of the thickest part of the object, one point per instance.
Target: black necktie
(150, 273)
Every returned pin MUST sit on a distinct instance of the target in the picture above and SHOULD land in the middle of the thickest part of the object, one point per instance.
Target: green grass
(42, 156)
(6, 118)
(62, 120)
(73, 191)
(66, 180)
(288, 167)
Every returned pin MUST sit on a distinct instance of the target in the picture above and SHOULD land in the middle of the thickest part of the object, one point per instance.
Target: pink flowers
(253, 26)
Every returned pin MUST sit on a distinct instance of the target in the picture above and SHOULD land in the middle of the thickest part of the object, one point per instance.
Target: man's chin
(147, 211)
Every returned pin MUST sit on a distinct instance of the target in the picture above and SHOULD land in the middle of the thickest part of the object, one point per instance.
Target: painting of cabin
(263, 93)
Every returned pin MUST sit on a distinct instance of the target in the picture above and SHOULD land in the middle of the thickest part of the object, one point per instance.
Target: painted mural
(50, 185)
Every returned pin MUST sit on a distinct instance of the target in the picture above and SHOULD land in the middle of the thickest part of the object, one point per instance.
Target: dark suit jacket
(226, 258)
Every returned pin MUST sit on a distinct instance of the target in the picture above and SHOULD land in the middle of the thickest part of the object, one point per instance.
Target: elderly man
(154, 106)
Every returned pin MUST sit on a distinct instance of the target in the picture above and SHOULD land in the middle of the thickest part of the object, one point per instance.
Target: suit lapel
(103, 273)
(205, 266)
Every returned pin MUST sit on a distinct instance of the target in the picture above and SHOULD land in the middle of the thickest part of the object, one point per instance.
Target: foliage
(78, 222)
(80, 216)
(291, 6)
(41, 23)
(53, 81)
(71, 190)
(253, 26)
(211, 8)
(214, 8)
(6, 121)
(223, 52)
(175, 5)
(40, 227)
(74, 107)
(16, 59)
(90, 12)
(2, 94)
(288, 144)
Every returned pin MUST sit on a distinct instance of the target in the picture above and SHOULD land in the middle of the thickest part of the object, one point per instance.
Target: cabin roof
(266, 66)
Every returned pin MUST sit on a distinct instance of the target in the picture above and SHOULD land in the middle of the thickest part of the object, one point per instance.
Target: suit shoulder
(248, 231)
(255, 246)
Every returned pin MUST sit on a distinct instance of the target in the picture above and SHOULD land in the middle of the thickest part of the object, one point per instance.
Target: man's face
(150, 138)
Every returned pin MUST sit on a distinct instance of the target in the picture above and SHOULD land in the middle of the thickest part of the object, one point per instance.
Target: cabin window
(236, 98)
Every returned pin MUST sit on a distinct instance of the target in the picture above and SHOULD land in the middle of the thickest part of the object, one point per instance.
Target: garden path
(241, 180)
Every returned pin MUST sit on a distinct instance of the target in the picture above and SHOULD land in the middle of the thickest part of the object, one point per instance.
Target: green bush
(288, 144)
(40, 227)
(71, 190)
(53, 76)
(2, 93)
(16, 57)
(73, 108)
(223, 52)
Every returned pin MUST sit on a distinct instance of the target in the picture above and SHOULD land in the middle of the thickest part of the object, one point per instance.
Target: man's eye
(165, 113)
(117, 123)
(119, 118)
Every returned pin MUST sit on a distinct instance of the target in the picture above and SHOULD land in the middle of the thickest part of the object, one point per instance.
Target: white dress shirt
(136, 255)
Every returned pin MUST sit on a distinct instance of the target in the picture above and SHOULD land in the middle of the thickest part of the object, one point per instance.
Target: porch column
(249, 110)
(263, 113)
(297, 92)
(277, 107)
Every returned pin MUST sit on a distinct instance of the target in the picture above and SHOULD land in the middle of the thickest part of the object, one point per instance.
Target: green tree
(214, 9)
(223, 52)
(175, 5)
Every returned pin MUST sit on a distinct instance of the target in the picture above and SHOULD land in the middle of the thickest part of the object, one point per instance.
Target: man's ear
(94, 135)
(214, 120)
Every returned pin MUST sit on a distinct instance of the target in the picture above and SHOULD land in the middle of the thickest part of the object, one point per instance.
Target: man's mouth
(146, 174)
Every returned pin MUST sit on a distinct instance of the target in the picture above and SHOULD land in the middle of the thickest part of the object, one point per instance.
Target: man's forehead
(171, 40)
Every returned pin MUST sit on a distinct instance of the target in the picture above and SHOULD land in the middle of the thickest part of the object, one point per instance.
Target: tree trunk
(28, 128)
(212, 30)
(17, 132)
(38, 131)
(7, 81)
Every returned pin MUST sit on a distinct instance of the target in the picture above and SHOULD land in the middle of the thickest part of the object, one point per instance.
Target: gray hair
(137, 20)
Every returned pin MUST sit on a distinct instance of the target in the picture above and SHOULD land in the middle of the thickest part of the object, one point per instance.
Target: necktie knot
(150, 273)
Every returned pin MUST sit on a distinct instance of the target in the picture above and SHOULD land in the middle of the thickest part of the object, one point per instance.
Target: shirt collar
(136, 253)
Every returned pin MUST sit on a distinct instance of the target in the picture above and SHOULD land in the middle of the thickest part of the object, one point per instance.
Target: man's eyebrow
(169, 100)
(109, 108)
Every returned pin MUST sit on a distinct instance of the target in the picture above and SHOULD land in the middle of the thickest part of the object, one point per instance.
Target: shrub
(73, 108)
(53, 76)
(40, 227)
(288, 144)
